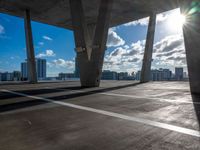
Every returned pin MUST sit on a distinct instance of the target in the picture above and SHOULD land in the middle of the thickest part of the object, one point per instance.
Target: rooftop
(117, 115)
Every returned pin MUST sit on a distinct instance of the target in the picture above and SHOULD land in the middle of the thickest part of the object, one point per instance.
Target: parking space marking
(182, 130)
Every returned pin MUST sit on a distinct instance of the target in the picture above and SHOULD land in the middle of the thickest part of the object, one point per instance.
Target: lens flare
(176, 21)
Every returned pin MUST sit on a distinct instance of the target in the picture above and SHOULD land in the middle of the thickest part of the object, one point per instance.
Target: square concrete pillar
(147, 59)
(191, 32)
(90, 41)
(32, 75)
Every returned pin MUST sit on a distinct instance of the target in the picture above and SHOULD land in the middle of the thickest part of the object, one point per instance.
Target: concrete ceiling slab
(57, 12)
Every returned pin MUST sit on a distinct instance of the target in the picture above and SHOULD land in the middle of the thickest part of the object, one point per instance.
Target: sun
(176, 20)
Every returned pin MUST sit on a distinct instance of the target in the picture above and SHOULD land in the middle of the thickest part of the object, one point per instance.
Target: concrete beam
(32, 75)
(191, 32)
(90, 41)
(146, 66)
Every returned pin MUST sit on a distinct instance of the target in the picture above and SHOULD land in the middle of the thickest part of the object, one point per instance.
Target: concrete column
(146, 66)
(191, 32)
(32, 75)
(90, 41)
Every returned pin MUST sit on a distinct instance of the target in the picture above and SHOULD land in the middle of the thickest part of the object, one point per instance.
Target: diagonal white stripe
(116, 115)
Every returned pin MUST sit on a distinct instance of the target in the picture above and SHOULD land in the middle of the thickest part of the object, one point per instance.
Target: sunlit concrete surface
(117, 115)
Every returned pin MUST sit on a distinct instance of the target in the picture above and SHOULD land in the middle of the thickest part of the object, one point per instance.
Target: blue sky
(125, 45)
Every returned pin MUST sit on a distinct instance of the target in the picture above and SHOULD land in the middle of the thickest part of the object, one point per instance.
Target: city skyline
(124, 52)
(161, 74)
(75, 71)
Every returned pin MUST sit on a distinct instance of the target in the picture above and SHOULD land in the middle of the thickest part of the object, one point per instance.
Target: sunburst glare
(176, 20)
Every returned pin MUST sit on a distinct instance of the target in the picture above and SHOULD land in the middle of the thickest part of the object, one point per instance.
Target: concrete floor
(120, 115)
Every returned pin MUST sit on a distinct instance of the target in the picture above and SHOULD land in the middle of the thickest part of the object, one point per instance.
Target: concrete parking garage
(118, 115)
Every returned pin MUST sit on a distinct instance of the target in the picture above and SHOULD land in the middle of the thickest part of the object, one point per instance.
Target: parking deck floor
(119, 115)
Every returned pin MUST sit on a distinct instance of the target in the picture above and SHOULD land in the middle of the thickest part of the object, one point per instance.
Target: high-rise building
(40, 69)
(77, 69)
(109, 75)
(179, 73)
(137, 75)
(161, 75)
(156, 75)
(122, 75)
(24, 71)
(167, 74)
(16, 75)
(6, 76)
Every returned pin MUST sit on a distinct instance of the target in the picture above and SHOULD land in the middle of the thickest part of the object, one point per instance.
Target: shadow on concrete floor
(196, 98)
(30, 103)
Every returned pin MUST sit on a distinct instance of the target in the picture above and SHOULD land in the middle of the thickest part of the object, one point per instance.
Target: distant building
(122, 76)
(185, 75)
(65, 76)
(138, 75)
(17, 76)
(167, 74)
(179, 73)
(40, 69)
(6, 76)
(161, 75)
(77, 69)
(109, 75)
(157, 75)
(24, 71)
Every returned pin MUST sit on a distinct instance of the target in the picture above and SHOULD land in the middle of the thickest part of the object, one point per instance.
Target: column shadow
(30, 103)
(196, 98)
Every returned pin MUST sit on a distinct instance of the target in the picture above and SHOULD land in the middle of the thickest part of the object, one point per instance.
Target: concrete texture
(57, 12)
(146, 66)
(92, 44)
(191, 32)
(30, 123)
(32, 74)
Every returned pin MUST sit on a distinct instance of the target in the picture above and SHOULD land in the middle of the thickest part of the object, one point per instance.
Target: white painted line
(116, 115)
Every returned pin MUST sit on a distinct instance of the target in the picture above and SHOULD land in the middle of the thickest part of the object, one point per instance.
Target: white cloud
(47, 53)
(142, 22)
(114, 39)
(145, 21)
(47, 38)
(125, 57)
(162, 17)
(2, 29)
(41, 43)
(61, 63)
(169, 43)
(170, 51)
